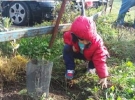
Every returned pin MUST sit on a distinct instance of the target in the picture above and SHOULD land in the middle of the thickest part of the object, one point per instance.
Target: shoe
(91, 71)
(69, 74)
(117, 24)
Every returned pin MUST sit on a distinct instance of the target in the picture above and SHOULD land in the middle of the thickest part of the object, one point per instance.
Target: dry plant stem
(66, 83)
(1, 87)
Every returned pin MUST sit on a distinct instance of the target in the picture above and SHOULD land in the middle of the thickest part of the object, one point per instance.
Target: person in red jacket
(83, 42)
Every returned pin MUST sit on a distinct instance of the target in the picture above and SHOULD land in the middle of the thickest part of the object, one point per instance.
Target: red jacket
(85, 28)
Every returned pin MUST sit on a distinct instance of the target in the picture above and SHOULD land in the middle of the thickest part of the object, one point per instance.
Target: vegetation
(119, 41)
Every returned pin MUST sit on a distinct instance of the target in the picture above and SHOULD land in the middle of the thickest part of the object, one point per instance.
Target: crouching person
(83, 42)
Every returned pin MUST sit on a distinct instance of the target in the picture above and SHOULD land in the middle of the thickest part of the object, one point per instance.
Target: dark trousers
(125, 6)
(69, 55)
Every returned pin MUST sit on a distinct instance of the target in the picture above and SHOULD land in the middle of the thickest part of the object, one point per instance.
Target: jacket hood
(84, 28)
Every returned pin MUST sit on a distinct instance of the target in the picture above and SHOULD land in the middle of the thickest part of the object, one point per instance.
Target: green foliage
(31, 47)
(5, 48)
(23, 92)
(105, 29)
(7, 22)
(122, 77)
(92, 11)
(119, 41)
(45, 23)
(121, 85)
(38, 47)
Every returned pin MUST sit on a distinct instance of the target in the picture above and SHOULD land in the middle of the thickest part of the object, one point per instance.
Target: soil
(11, 92)
(59, 90)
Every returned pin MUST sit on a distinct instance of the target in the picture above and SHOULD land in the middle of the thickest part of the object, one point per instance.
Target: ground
(58, 90)
(11, 92)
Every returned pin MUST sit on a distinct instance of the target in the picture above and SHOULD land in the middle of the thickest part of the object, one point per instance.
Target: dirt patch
(14, 96)
(11, 92)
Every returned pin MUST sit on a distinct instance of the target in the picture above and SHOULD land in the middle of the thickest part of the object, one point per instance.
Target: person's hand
(74, 49)
(103, 82)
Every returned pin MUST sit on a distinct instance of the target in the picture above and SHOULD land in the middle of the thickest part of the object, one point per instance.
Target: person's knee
(67, 48)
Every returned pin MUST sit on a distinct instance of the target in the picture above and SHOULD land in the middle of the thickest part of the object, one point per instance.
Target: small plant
(11, 68)
(6, 22)
(15, 46)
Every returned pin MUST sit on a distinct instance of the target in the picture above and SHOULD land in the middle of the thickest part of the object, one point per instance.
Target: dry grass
(11, 67)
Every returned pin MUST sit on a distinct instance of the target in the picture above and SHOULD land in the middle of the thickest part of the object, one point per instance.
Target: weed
(6, 22)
